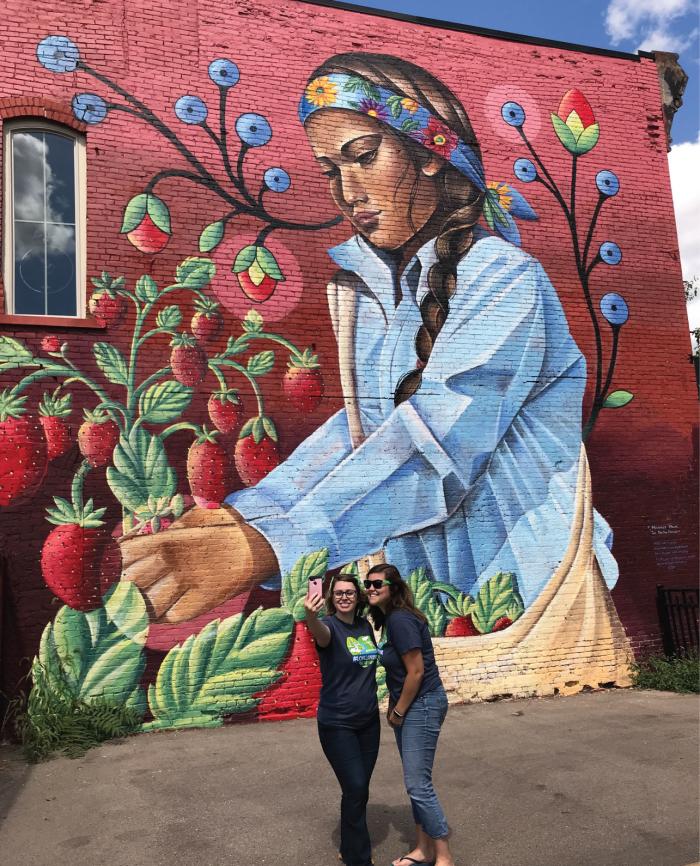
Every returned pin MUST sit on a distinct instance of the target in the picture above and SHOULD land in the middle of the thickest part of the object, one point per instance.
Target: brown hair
(461, 201)
(401, 595)
(361, 595)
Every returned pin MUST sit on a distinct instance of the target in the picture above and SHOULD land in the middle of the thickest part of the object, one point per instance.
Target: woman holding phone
(348, 713)
(417, 707)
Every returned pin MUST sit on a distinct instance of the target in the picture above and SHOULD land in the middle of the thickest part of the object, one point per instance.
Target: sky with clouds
(624, 25)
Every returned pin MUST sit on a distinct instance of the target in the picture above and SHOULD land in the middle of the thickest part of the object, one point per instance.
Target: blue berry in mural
(610, 253)
(614, 308)
(89, 107)
(58, 54)
(191, 109)
(224, 72)
(607, 182)
(513, 114)
(277, 179)
(253, 129)
(525, 170)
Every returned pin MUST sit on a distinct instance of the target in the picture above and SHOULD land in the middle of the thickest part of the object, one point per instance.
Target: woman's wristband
(397, 713)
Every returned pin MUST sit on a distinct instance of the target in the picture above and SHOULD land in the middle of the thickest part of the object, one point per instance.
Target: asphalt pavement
(600, 779)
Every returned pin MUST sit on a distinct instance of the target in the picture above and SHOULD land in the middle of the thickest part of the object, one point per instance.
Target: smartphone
(315, 587)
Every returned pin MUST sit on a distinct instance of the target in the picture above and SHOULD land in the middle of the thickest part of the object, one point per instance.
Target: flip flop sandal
(418, 862)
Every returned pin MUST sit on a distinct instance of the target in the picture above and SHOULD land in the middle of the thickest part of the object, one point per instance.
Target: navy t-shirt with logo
(348, 674)
(403, 632)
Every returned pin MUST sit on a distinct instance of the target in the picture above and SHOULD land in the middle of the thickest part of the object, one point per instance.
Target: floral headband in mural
(352, 92)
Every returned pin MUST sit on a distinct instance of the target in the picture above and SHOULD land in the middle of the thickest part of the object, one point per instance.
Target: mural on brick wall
(458, 456)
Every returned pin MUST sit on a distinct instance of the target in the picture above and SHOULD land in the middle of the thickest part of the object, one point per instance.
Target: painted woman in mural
(459, 445)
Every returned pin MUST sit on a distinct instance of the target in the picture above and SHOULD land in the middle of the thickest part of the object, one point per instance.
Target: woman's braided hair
(461, 201)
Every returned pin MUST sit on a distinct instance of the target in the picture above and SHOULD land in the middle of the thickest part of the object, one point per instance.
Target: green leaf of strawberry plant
(262, 363)
(169, 318)
(164, 402)
(134, 212)
(220, 671)
(97, 654)
(617, 399)
(253, 322)
(146, 289)
(494, 600)
(13, 352)
(295, 584)
(140, 470)
(109, 359)
(237, 345)
(195, 272)
(269, 428)
(426, 601)
(158, 211)
(268, 264)
(244, 259)
(211, 236)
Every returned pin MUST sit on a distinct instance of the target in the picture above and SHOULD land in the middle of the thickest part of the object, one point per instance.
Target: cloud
(648, 21)
(684, 165)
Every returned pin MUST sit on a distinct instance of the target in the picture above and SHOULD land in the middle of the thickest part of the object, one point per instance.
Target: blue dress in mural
(474, 474)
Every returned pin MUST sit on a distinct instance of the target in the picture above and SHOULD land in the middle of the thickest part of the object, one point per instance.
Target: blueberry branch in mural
(146, 221)
(577, 130)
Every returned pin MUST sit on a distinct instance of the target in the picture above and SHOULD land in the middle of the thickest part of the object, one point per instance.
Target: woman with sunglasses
(348, 713)
(417, 707)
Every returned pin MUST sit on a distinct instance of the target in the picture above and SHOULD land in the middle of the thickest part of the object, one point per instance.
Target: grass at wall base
(668, 673)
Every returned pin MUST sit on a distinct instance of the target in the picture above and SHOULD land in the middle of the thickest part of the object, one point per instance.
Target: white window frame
(29, 124)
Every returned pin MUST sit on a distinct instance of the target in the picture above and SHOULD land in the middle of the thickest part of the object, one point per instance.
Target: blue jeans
(417, 740)
(352, 752)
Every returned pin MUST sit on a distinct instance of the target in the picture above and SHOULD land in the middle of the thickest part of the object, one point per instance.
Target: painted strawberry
(106, 304)
(206, 322)
(256, 451)
(296, 692)
(208, 470)
(50, 344)
(258, 272)
(501, 623)
(146, 223)
(22, 450)
(71, 558)
(97, 437)
(188, 360)
(54, 411)
(302, 383)
(461, 626)
(225, 409)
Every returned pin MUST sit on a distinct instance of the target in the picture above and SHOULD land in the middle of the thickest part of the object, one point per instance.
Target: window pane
(28, 175)
(60, 178)
(60, 270)
(44, 223)
(29, 269)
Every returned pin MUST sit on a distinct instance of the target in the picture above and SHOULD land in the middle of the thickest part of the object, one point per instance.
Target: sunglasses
(376, 584)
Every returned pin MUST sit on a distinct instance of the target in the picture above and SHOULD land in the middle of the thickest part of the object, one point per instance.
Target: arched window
(44, 236)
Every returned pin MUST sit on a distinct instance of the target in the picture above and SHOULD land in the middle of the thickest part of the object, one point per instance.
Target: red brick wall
(642, 459)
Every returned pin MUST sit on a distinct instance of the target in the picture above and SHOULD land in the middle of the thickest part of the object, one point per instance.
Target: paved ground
(604, 779)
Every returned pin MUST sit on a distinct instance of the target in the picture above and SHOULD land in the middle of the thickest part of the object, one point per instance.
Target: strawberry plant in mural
(578, 131)
(146, 220)
(125, 433)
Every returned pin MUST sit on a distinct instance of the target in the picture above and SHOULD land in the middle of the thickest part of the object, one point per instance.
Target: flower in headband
(438, 138)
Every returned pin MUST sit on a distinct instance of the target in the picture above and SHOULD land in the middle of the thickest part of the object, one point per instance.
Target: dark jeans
(352, 753)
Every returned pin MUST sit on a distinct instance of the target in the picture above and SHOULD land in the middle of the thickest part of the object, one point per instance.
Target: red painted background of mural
(642, 457)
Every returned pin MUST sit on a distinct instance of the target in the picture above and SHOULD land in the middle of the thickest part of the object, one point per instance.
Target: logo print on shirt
(362, 650)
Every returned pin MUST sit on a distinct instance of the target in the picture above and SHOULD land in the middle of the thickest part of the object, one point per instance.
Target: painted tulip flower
(258, 272)
(575, 123)
(146, 223)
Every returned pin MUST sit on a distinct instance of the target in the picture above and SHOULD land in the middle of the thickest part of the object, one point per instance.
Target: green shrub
(668, 673)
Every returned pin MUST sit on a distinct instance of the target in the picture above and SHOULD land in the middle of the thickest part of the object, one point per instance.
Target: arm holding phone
(313, 604)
